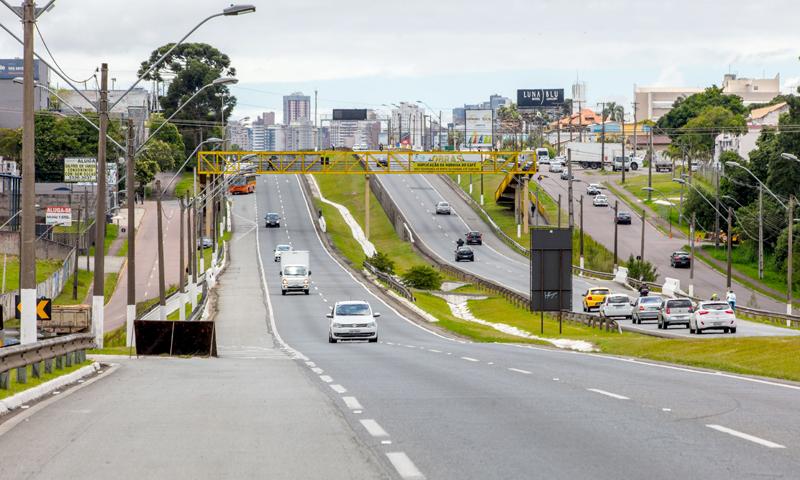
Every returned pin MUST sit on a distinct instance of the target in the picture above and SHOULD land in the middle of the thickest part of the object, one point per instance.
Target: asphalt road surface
(452, 409)
(599, 223)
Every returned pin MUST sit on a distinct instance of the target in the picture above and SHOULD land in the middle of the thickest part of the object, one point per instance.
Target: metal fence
(393, 282)
(59, 352)
(50, 288)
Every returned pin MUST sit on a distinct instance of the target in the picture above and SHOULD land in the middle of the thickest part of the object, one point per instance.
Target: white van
(295, 272)
(542, 156)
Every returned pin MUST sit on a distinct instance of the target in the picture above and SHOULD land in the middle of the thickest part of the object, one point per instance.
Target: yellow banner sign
(446, 167)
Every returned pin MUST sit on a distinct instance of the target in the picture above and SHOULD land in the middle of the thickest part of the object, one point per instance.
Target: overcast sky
(364, 53)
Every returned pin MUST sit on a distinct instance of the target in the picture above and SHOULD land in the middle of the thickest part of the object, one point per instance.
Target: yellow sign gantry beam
(335, 162)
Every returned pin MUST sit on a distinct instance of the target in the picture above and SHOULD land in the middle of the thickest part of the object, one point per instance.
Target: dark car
(464, 254)
(623, 218)
(474, 238)
(272, 220)
(680, 259)
(204, 243)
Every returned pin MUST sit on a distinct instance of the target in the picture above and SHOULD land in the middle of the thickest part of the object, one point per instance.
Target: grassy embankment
(16, 387)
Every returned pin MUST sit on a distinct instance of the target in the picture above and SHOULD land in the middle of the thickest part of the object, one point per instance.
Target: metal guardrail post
(48, 366)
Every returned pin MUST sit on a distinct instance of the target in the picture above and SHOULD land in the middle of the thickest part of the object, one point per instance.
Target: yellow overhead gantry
(336, 162)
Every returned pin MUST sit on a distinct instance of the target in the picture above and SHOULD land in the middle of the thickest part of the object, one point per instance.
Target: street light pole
(616, 225)
(691, 260)
(100, 212)
(130, 186)
(789, 282)
(27, 272)
(581, 236)
(730, 245)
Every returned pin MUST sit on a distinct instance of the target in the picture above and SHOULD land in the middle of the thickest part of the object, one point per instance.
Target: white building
(752, 90)
(767, 116)
(407, 125)
(296, 108)
(275, 138)
(238, 134)
(300, 136)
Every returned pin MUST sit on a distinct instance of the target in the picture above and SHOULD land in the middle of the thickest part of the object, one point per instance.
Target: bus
(243, 184)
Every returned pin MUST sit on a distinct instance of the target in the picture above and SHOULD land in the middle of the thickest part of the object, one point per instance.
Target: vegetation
(184, 184)
(44, 269)
(641, 269)
(84, 283)
(422, 277)
(382, 262)
(15, 387)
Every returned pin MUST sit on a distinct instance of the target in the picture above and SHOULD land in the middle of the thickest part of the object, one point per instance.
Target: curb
(15, 401)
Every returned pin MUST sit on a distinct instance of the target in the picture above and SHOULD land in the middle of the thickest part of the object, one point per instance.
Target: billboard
(13, 67)
(59, 216)
(551, 269)
(350, 114)
(533, 98)
(478, 126)
(83, 170)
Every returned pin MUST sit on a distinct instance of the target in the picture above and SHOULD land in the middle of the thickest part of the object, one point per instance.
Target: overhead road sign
(335, 162)
(540, 97)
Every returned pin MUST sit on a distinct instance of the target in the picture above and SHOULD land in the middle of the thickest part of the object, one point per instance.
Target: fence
(50, 288)
(395, 284)
(64, 350)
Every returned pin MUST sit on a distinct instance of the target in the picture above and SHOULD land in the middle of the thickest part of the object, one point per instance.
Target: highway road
(599, 223)
(495, 260)
(438, 408)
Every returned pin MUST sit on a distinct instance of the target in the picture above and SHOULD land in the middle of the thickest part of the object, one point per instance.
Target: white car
(280, 249)
(616, 305)
(600, 201)
(442, 208)
(556, 167)
(715, 315)
(352, 320)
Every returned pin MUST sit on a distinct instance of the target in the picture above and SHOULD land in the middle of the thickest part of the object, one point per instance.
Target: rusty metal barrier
(61, 351)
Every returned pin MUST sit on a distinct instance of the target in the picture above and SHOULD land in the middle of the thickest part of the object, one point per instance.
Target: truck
(662, 164)
(631, 163)
(295, 272)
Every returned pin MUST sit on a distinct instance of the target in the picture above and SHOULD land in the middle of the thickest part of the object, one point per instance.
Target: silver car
(442, 208)
(646, 308)
(616, 305)
(675, 311)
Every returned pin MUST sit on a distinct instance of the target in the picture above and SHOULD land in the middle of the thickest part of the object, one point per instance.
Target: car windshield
(680, 303)
(618, 299)
(624, 214)
(650, 300)
(295, 270)
(283, 248)
(272, 216)
(444, 204)
(473, 234)
(715, 306)
(349, 309)
(464, 249)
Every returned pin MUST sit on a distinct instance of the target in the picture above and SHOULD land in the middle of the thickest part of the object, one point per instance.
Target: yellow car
(594, 297)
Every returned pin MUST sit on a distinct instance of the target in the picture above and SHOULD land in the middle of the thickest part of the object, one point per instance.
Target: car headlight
(337, 325)
(371, 325)
(305, 282)
(285, 282)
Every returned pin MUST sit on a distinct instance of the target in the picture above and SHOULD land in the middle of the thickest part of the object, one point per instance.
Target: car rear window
(679, 303)
(715, 306)
(618, 299)
(650, 300)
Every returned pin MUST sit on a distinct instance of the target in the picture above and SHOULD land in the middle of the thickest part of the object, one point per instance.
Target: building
(296, 108)
(653, 103)
(364, 134)
(407, 121)
(459, 115)
(239, 135)
(258, 137)
(136, 105)
(300, 136)
(752, 90)
(496, 101)
(11, 93)
(767, 116)
(275, 138)
(266, 119)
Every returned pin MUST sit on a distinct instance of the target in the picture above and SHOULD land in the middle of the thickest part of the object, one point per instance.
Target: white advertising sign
(59, 216)
(478, 128)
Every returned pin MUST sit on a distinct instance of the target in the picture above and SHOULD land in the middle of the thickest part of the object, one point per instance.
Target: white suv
(280, 249)
(352, 320)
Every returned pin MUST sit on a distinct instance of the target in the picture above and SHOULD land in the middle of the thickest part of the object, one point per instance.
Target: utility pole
(191, 249)
(130, 180)
(75, 270)
(98, 301)
(650, 169)
(526, 205)
(789, 282)
(27, 271)
(559, 210)
(366, 206)
(603, 137)
(570, 207)
(635, 127)
(644, 225)
(181, 274)
(623, 146)
(761, 232)
(316, 126)
(691, 259)
(558, 147)
(730, 244)
(716, 209)
(616, 225)
(160, 232)
(581, 236)
(86, 230)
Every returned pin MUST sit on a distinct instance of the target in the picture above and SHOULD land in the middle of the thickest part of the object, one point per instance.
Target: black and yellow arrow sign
(43, 308)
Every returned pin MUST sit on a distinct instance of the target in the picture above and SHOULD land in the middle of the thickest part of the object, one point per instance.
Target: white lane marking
(666, 409)
(352, 403)
(373, 428)
(338, 388)
(555, 379)
(519, 370)
(608, 394)
(386, 442)
(470, 359)
(745, 436)
(404, 466)
(490, 363)
(326, 378)
(389, 343)
(317, 370)
(434, 350)
(356, 411)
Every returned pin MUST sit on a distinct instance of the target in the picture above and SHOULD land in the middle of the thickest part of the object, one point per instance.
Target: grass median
(16, 387)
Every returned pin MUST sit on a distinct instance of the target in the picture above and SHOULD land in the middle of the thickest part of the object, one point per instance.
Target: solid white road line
(470, 359)
(608, 394)
(338, 388)
(373, 428)
(326, 378)
(352, 403)
(518, 370)
(745, 436)
(404, 466)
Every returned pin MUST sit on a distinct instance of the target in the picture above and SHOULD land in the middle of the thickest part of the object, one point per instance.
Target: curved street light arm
(209, 140)
(736, 164)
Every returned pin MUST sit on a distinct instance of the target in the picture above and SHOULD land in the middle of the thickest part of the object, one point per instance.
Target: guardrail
(772, 317)
(62, 351)
(393, 283)
(593, 321)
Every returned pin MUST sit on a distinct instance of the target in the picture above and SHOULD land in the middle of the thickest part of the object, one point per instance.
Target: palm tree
(614, 112)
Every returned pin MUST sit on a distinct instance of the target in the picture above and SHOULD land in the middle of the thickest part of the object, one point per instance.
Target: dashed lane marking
(404, 466)
(373, 428)
(519, 370)
(338, 388)
(352, 403)
(608, 394)
(326, 378)
(470, 359)
(745, 436)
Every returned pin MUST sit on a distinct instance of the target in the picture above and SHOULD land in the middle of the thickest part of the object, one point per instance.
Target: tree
(736, 182)
(159, 152)
(641, 270)
(146, 169)
(686, 108)
(510, 120)
(423, 277)
(782, 252)
(193, 65)
(699, 134)
(696, 204)
(784, 174)
(614, 112)
(170, 135)
(382, 262)
(11, 143)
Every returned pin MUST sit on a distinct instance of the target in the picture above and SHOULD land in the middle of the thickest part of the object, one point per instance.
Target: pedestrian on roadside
(731, 299)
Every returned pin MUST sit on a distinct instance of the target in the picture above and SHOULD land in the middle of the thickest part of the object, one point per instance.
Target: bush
(423, 278)
(641, 270)
(382, 262)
